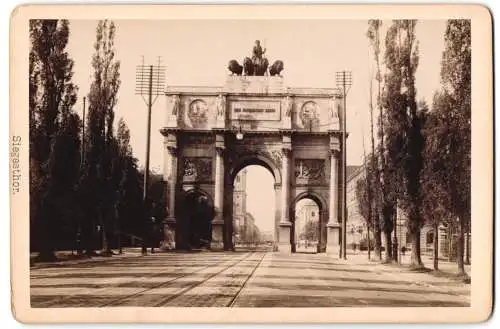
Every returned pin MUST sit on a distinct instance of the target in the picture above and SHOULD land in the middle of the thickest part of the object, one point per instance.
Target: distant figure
(403, 250)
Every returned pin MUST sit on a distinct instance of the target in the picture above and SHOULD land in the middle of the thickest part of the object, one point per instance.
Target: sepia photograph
(263, 162)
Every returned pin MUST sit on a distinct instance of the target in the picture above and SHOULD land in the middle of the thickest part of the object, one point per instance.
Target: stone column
(285, 224)
(218, 221)
(333, 226)
(277, 215)
(170, 177)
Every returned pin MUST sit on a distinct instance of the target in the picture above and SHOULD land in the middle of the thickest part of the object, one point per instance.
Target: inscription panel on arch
(259, 110)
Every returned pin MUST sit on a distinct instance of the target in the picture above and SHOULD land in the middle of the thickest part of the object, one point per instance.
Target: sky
(196, 52)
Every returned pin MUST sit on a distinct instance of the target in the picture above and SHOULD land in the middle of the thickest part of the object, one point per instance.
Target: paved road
(239, 279)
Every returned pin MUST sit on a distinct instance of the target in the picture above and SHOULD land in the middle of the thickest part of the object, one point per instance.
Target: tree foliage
(403, 124)
(449, 139)
(310, 231)
(367, 206)
(102, 164)
(375, 187)
(54, 132)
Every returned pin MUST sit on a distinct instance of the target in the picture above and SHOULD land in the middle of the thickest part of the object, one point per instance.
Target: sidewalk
(447, 270)
(66, 257)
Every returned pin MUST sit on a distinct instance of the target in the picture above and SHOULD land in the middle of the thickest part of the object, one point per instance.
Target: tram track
(117, 302)
(233, 300)
(63, 299)
(197, 284)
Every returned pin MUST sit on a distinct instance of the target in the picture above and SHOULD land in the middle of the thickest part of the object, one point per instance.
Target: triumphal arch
(211, 133)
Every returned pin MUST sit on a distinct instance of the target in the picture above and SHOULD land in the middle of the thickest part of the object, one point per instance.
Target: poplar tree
(54, 133)
(99, 182)
(374, 184)
(453, 104)
(128, 202)
(435, 199)
(403, 133)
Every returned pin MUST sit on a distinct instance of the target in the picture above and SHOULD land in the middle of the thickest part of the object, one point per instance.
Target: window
(313, 213)
(429, 238)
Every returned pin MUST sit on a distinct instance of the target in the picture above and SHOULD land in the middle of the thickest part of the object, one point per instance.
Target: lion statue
(276, 68)
(234, 67)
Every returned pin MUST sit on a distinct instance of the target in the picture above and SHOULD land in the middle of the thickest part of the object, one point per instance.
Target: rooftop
(352, 171)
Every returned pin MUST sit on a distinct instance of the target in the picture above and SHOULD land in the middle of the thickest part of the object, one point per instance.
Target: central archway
(269, 235)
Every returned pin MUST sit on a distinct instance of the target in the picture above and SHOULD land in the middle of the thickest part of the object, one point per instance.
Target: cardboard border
(482, 166)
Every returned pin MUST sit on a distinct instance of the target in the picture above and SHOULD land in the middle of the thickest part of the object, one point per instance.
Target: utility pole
(344, 79)
(82, 162)
(150, 80)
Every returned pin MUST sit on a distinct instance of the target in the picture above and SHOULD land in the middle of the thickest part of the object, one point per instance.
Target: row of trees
(420, 160)
(85, 192)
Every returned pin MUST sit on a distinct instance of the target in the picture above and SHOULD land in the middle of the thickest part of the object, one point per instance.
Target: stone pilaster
(285, 225)
(218, 221)
(333, 226)
(170, 177)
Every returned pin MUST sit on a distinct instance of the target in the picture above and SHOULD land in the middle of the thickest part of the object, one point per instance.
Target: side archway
(322, 218)
(197, 214)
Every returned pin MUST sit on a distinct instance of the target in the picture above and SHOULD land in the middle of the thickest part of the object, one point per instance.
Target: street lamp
(239, 134)
(344, 81)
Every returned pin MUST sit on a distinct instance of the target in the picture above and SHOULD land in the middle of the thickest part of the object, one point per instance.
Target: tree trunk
(388, 246)
(46, 252)
(104, 236)
(119, 240)
(436, 246)
(395, 245)
(369, 243)
(460, 247)
(415, 260)
(377, 236)
(450, 242)
(467, 244)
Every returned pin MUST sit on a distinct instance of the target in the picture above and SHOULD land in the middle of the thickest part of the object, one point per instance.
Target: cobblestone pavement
(239, 279)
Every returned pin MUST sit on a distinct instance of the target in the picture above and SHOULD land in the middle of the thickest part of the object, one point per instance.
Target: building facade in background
(246, 232)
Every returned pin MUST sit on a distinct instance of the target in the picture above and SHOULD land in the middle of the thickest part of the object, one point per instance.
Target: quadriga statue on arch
(257, 65)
